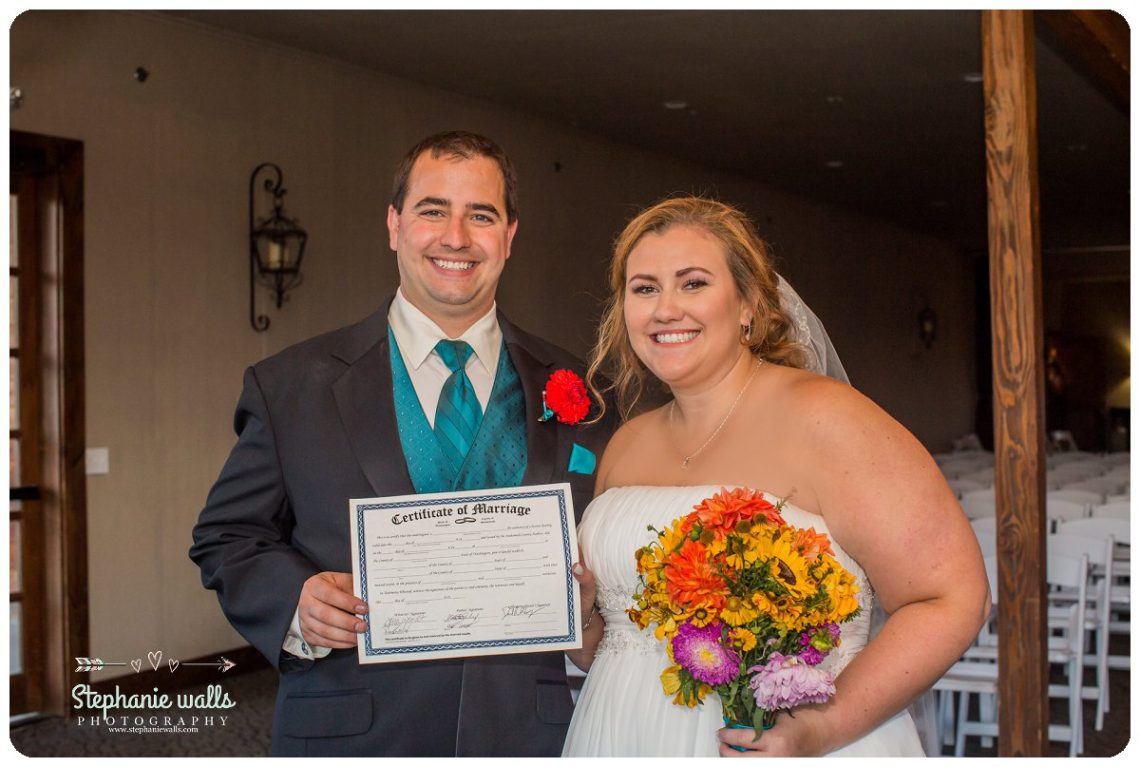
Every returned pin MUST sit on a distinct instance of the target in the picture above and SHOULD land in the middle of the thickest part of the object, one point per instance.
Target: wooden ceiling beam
(1094, 43)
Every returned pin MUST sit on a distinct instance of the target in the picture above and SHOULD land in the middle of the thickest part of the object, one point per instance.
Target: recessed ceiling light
(973, 77)
(834, 163)
(834, 99)
(676, 104)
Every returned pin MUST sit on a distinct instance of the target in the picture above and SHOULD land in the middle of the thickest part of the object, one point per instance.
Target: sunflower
(789, 568)
(788, 613)
(841, 588)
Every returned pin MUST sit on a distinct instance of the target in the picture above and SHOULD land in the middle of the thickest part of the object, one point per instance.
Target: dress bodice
(614, 527)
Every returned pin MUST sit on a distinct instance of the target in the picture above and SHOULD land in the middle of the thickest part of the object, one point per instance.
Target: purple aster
(787, 681)
(701, 653)
(810, 655)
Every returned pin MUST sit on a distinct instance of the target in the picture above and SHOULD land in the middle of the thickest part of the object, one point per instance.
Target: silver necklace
(673, 406)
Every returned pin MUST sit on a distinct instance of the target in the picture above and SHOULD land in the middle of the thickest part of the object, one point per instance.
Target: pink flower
(788, 681)
(700, 652)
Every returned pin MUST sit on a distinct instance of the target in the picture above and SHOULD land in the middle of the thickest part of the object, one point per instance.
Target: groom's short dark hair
(460, 145)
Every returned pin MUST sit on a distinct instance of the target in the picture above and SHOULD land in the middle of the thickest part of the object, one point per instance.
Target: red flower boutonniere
(565, 398)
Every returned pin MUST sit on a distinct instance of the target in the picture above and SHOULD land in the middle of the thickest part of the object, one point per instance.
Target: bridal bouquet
(748, 606)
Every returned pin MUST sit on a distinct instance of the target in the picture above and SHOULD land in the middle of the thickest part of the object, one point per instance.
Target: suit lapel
(363, 396)
(541, 437)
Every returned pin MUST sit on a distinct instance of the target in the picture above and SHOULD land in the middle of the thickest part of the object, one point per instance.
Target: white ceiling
(773, 95)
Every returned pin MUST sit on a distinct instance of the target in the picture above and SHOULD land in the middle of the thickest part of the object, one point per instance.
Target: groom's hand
(328, 611)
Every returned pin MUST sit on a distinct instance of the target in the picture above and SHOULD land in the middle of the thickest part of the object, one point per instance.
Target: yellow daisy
(738, 612)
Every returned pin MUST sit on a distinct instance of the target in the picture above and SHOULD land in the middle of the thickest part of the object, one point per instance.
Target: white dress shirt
(416, 336)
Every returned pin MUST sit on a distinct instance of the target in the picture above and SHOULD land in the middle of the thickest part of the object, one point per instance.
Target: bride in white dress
(695, 304)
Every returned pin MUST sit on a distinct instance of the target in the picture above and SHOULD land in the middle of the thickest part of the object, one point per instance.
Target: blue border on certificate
(570, 634)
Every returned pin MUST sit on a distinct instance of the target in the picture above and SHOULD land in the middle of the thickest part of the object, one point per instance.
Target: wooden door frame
(59, 162)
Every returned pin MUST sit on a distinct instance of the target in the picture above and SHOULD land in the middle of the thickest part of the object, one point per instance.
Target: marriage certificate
(478, 572)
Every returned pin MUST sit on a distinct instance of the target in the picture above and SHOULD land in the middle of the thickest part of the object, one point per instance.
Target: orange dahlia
(691, 579)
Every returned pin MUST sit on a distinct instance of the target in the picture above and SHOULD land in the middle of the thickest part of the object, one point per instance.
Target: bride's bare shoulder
(818, 407)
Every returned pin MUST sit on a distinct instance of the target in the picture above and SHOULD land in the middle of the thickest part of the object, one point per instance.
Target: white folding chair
(1119, 529)
(1069, 474)
(983, 476)
(984, 493)
(1117, 459)
(1086, 497)
(959, 467)
(1064, 571)
(986, 525)
(972, 676)
(1099, 551)
(963, 485)
(1121, 471)
(1120, 591)
(1069, 456)
(1059, 510)
(977, 672)
(985, 530)
(976, 506)
(1104, 485)
(1115, 510)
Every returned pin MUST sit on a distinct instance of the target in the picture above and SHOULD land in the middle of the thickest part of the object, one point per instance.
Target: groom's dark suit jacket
(316, 426)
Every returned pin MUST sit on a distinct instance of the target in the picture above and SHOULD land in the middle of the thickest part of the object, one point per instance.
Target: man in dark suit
(388, 407)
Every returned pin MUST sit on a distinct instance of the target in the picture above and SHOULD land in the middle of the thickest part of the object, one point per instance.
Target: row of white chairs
(1064, 463)
(1106, 489)
(1088, 596)
(1069, 472)
(1060, 506)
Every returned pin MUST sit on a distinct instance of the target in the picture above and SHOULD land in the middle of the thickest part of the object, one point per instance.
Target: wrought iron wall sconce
(276, 244)
(927, 326)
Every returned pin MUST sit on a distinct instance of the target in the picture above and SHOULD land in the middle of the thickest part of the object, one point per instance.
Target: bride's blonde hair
(749, 263)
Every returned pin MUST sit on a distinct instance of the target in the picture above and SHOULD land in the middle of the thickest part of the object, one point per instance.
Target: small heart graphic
(155, 658)
(173, 665)
(136, 664)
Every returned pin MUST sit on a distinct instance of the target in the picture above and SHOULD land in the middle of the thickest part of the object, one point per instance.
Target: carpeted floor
(245, 731)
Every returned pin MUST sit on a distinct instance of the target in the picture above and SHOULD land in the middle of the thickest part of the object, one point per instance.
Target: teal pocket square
(582, 461)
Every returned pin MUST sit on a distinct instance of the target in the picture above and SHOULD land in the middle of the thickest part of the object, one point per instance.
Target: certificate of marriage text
(478, 572)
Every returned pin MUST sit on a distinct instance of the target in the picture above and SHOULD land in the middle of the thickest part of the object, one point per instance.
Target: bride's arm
(888, 506)
(592, 633)
(592, 621)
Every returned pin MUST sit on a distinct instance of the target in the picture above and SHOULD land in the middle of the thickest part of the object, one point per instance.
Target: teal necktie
(458, 413)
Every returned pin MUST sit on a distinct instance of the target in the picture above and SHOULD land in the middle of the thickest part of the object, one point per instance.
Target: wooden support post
(1019, 395)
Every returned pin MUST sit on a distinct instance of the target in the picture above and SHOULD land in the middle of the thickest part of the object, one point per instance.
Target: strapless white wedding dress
(622, 710)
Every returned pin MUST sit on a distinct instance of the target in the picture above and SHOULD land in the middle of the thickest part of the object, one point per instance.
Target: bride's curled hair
(749, 262)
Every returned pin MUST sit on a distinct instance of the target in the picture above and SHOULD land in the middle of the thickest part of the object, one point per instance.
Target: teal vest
(497, 457)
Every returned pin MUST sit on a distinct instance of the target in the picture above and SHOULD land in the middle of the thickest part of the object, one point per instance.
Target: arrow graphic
(93, 664)
(223, 664)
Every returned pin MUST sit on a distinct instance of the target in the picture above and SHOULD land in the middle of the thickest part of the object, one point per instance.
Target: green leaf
(758, 723)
